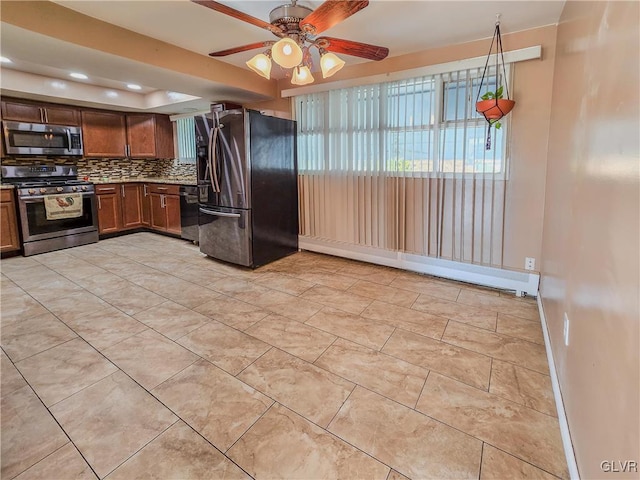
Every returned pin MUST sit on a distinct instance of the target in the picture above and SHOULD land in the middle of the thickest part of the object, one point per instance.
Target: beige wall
(529, 128)
(591, 243)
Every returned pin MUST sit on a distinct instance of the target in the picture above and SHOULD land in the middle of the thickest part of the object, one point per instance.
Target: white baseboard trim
(464, 272)
(562, 417)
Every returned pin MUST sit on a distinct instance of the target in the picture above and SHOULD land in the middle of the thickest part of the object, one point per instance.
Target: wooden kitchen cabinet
(149, 135)
(130, 135)
(9, 238)
(109, 208)
(172, 206)
(131, 205)
(104, 134)
(165, 208)
(158, 213)
(24, 111)
(119, 206)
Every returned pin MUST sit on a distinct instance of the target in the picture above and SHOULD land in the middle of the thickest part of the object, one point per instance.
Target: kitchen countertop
(169, 180)
(5, 186)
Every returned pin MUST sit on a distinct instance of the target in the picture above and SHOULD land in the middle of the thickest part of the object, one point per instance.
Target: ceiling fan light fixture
(261, 64)
(330, 63)
(302, 76)
(286, 53)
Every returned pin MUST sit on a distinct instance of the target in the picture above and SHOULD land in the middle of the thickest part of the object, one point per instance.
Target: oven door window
(39, 225)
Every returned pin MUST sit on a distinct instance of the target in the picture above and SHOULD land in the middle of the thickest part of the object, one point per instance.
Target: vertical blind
(186, 133)
(403, 166)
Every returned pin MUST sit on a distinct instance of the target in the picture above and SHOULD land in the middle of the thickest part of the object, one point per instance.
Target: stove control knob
(43, 190)
(84, 187)
(59, 189)
(32, 191)
(74, 188)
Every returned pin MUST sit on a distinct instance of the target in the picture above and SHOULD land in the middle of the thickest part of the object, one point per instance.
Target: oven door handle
(41, 197)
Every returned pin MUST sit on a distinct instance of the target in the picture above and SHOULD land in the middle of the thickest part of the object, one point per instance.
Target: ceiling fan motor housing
(288, 15)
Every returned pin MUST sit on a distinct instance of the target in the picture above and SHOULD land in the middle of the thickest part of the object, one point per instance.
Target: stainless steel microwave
(22, 138)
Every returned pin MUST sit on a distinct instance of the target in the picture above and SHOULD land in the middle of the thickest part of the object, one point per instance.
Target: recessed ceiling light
(133, 86)
(5, 60)
(80, 76)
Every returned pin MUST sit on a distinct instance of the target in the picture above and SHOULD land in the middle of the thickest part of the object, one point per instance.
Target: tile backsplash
(97, 168)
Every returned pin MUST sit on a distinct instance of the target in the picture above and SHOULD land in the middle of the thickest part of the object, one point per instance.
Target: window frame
(436, 128)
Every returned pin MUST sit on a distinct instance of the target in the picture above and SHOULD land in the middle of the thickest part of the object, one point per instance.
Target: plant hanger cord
(497, 39)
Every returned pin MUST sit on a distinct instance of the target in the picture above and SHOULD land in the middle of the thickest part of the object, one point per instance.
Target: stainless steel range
(56, 209)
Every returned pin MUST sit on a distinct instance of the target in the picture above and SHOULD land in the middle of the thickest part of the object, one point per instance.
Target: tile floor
(138, 357)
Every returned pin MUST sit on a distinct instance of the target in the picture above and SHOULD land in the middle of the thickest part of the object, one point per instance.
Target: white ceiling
(402, 26)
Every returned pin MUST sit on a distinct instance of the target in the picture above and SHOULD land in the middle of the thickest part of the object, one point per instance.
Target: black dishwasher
(189, 212)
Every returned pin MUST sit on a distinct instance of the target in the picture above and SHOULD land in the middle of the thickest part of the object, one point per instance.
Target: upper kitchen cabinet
(119, 135)
(104, 134)
(24, 111)
(149, 135)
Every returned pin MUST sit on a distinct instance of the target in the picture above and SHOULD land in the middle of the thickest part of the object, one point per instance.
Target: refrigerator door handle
(219, 214)
(212, 160)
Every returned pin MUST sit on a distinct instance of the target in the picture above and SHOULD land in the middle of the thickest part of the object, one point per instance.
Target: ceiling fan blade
(330, 13)
(243, 48)
(232, 12)
(357, 49)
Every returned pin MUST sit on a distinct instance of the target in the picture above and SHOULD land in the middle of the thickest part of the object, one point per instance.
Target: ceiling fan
(297, 27)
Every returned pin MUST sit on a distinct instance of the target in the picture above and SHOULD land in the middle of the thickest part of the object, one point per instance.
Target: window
(186, 132)
(426, 125)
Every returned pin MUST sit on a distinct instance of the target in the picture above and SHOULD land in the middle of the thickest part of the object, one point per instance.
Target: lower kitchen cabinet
(9, 238)
(109, 208)
(172, 206)
(164, 207)
(132, 205)
(119, 206)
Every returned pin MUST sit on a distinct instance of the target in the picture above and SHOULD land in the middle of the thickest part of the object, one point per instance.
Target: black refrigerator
(247, 186)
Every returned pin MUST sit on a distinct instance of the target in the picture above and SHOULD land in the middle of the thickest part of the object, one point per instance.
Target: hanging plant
(492, 105)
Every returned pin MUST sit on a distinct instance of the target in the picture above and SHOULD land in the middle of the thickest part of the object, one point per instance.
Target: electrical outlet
(566, 329)
(529, 263)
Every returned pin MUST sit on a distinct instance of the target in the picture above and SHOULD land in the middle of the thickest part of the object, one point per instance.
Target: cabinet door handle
(99, 204)
(122, 189)
(46, 115)
(40, 110)
(163, 188)
(110, 189)
(145, 190)
(164, 201)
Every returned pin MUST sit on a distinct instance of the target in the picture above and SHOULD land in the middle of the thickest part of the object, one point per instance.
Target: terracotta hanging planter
(491, 104)
(494, 109)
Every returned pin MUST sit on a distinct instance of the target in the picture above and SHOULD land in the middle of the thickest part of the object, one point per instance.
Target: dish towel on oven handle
(66, 205)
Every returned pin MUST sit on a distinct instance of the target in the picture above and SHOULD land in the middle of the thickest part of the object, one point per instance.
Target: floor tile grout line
(329, 432)
(490, 375)
(271, 347)
(484, 441)
(415, 405)
(57, 423)
(178, 419)
(274, 402)
(446, 424)
(387, 341)
(499, 334)
(341, 407)
(224, 454)
(522, 459)
(481, 459)
(46, 349)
